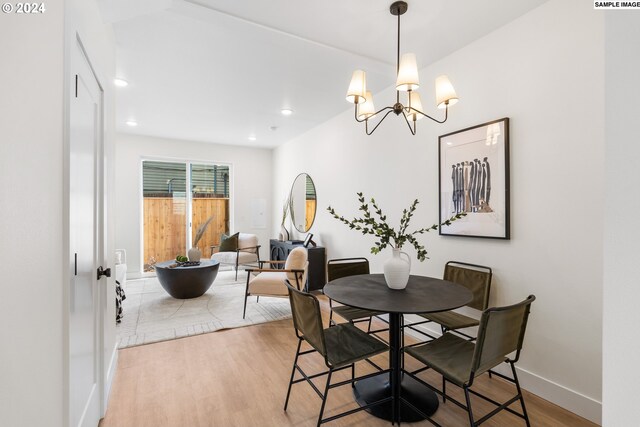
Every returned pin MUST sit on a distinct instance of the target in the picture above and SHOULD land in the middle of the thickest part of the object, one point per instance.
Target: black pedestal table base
(378, 387)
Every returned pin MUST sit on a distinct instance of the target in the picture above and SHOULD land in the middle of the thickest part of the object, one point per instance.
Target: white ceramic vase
(397, 270)
(194, 255)
(284, 233)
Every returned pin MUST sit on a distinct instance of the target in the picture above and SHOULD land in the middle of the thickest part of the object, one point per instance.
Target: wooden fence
(164, 225)
(311, 211)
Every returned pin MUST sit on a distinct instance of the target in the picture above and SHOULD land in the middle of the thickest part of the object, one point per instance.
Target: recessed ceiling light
(286, 112)
(131, 123)
(252, 138)
(121, 82)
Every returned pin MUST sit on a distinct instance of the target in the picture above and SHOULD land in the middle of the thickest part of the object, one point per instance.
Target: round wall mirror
(302, 203)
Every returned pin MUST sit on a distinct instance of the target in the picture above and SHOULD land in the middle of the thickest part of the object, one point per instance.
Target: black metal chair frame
(329, 374)
(467, 387)
(412, 326)
(364, 319)
(261, 270)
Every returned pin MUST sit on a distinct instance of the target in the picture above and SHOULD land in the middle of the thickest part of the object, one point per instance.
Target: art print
(474, 179)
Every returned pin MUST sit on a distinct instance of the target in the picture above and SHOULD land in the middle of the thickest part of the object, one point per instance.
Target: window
(167, 205)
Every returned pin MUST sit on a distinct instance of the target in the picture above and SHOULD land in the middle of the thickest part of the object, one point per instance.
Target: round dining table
(422, 295)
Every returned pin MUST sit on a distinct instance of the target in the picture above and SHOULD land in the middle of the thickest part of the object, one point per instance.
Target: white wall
(32, 215)
(251, 180)
(31, 135)
(544, 71)
(622, 235)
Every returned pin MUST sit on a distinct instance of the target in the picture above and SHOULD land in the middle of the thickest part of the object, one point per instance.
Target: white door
(85, 140)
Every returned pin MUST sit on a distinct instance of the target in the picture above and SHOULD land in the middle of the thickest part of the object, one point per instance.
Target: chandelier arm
(446, 115)
(377, 112)
(381, 120)
(413, 131)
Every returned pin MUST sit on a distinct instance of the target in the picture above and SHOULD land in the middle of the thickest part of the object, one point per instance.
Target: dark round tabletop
(204, 263)
(422, 294)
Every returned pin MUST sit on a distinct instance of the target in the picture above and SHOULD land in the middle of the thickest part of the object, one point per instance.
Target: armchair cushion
(296, 260)
(229, 243)
(247, 241)
(272, 282)
(269, 283)
(230, 257)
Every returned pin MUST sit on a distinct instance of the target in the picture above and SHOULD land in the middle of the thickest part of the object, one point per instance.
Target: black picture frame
(473, 177)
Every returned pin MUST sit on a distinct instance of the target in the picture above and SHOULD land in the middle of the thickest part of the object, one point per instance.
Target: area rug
(151, 315)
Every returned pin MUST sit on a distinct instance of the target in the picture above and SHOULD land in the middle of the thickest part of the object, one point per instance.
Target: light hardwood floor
(239, 377)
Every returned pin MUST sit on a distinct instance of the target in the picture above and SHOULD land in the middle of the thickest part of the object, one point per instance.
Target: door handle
(103, 272)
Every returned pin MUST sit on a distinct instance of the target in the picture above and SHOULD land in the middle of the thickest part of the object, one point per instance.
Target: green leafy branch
(388, 236)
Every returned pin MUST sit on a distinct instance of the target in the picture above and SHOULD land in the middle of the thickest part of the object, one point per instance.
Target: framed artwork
(474, 178)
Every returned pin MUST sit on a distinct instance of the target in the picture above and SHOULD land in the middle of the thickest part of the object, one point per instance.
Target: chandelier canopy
(407, 81)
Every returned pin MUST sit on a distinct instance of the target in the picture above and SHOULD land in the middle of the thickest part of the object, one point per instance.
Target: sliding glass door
(172, 215)
(209, 199)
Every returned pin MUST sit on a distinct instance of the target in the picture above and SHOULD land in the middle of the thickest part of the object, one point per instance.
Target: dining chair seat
(448, 355)
(352, 313)
(451, 320)
(347, 344)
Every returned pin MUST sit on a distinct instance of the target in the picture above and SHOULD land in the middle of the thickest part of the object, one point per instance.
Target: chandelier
(407, 81)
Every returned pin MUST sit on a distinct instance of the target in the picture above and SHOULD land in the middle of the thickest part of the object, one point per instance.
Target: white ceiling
(221, 70)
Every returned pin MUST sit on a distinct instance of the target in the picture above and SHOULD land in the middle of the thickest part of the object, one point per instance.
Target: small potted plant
(396, 269)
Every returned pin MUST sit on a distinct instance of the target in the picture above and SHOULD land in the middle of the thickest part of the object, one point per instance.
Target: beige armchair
(247, 252)
(271, 282)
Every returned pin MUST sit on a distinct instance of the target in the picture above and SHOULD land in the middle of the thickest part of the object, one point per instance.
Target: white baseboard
(111, 371)
(562, 396)
(558, 394)
(134, 275)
